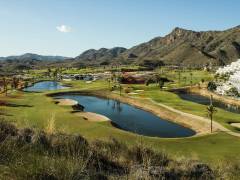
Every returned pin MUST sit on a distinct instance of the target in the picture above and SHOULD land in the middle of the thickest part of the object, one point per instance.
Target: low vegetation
(29, 154)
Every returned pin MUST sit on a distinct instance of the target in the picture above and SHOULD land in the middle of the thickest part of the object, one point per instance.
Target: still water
(44, 86)
(206, 101)
(131, 119)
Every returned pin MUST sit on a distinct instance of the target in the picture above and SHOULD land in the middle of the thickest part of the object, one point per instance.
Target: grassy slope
(185, 77)
(210, 148)
(173, 100)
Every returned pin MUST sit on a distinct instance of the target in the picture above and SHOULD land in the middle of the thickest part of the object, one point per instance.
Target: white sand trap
(139, 90)
(235, 125)
(93, 117)
(132, 93)
(66, 102)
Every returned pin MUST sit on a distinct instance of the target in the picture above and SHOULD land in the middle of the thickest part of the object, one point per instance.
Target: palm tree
(179, 77)
(109, 83)
(15, 82)
(5, 85)
(191, 75)
(211, 110)
(185, 80)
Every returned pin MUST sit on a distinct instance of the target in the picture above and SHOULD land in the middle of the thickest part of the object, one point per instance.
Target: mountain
(29, 56)
(100, 56)
(29, 61)
(188, 47)
(180, 47)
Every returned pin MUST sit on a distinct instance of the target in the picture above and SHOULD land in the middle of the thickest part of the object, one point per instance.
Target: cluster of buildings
(86, 77)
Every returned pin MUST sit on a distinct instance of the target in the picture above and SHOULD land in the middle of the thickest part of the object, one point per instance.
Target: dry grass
(50, 128)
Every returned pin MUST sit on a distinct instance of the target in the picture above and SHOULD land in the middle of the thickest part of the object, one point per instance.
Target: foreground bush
(27, 154)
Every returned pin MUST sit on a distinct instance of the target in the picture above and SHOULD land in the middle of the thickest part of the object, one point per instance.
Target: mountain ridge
(179, 47)
(183, 46)
(32, 56)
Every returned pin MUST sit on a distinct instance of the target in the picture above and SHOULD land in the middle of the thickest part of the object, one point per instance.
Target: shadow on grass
(4, 114)
(15, 105)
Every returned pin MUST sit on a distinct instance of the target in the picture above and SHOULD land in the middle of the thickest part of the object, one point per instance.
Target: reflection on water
(44, 86)
(130, 118)
(205, 101)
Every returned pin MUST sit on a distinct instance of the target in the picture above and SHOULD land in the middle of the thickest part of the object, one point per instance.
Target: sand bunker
(93, 117)
(132, 93)
(66, 102)
(139, 90)
(235, 125)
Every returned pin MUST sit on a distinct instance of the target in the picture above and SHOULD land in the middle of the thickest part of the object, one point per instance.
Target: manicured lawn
(185, 78)
(173, 100)
(37, 110)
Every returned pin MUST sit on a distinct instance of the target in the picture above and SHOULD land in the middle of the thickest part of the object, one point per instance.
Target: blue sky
(68, 27)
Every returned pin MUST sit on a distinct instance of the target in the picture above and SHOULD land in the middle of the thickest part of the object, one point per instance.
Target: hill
(180, 47)
(101, 56)
(188, 47)
(28, 61)
(30, 56)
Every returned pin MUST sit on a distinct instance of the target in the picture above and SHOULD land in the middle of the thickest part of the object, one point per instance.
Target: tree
(148, 81)
(109, 83)
(233, 92)
(151, 63)
(185, 80)
(120, 89)
(55, 74)
(161, 83)
(212, 86)
(211, 110)
(179, 77)
(15, 82)
(5, 85)
(191, 75)
(49, 72)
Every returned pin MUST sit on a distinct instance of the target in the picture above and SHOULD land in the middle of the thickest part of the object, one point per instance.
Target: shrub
(211, 86)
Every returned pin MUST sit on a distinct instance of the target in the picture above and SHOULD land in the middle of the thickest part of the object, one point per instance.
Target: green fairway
(38, 111)
(173, 100)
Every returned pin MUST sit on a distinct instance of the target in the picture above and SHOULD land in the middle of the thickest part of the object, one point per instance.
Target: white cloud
(64, 28)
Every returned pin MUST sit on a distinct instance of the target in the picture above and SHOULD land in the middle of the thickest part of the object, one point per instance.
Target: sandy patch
(93, 117)
(235, 125)
(132, 93)
(139, 90)
(66, 102)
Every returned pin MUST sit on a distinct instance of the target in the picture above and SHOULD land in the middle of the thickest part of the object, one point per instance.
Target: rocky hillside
(101, 56)
(188, 47)
(180, 47)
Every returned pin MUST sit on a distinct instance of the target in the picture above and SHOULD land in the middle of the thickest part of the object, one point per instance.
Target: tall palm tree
(211, 110)
(5, 85)
(191, 81)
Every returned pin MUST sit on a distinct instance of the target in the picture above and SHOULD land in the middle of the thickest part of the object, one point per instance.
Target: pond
(206, 101)
(131, 119)
(44, 86)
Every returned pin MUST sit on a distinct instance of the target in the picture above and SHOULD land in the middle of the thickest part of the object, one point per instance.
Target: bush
(212, 86)
(233, 92)
(61, 156)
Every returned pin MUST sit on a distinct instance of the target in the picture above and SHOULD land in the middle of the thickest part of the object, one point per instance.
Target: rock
(78, 107)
